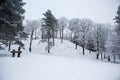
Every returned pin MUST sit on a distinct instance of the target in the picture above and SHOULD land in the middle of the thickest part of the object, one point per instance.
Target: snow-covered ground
(63, 63)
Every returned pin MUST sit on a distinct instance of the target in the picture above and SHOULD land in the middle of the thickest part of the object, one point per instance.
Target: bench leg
(13, 54)
(18, 55)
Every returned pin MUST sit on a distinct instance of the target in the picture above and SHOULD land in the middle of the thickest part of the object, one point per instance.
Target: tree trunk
(60, 33)
(83, 50)
(62, 36)
(30, 48)
(114, 57)
(42, 35)
(97, 56)
(53, 41)
(48, 47)
(35, 35)
(104, 56)
(9, 45)
(97, 48)
(71, 36)
(101, 56)
(108, 58)
(76, 45)
(48, 40)
(53, 38)
(83, 45)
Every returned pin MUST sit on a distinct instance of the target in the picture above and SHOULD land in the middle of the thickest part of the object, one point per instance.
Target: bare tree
(90, 40)
(42, 30)
(85, 26)
(100, 34)
(62, 22)
(74, 27)
(30, 28)
(80, 27)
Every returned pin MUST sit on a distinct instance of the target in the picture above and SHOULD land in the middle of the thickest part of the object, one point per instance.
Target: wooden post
(19, 52)
(13, 53)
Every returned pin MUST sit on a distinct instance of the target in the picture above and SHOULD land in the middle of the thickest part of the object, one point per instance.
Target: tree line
(84, 32)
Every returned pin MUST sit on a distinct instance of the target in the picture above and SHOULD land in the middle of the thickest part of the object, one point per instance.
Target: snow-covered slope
(67, 49)
(63, 63)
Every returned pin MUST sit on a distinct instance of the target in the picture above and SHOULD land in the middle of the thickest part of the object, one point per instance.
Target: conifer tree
(11, 18)
(50, 26)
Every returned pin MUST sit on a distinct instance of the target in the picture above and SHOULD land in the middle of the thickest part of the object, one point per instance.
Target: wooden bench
(18, 52)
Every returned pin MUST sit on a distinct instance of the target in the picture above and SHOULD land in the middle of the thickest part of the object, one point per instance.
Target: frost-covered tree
(42, 30)
(80, 27)
(30, 28)
(36, 26)
(74, 24)
(85, 26)
(62, 22)
(74, 27)
(11, 18)
(90, 41)
(113, 43)
(100, 34)
(117, 27)
(117, 18)
(51, 25)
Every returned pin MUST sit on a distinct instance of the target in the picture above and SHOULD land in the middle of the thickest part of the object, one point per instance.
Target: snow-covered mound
(67, 49)
(39, 65)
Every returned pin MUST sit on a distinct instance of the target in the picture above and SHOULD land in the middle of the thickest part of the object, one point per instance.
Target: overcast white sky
(102, 11)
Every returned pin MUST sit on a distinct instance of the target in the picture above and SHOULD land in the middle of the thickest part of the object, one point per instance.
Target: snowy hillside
(67, 49)
(63, 63)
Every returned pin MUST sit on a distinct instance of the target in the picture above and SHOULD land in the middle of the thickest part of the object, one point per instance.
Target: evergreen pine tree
(50, 26)
(11, 18)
